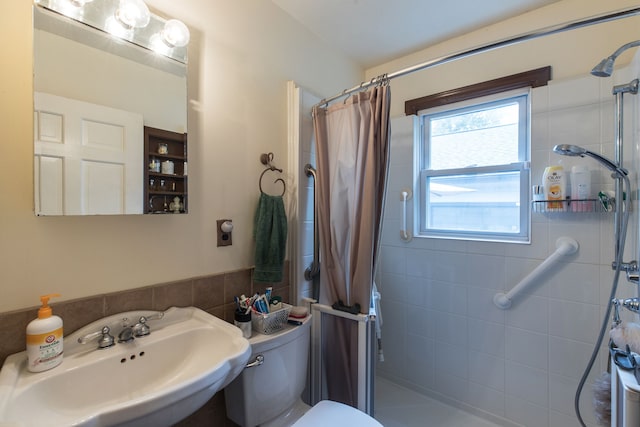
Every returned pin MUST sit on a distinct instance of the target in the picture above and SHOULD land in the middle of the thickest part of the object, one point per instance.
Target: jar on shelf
(152, 184)
(167, 167)
(154, 165)
(163, 148)
(163, 185)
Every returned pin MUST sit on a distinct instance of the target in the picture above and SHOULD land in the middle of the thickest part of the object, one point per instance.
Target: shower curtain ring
(344, 92)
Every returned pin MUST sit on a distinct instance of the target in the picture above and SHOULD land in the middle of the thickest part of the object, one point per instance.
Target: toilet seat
(335, 414)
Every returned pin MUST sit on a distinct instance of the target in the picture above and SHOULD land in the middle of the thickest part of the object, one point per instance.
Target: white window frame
(422, 173)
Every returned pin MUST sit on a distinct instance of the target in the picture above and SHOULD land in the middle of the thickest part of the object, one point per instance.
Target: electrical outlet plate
(224, 239)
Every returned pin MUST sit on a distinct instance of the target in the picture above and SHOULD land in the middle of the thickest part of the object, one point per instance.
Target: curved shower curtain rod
(555, 29)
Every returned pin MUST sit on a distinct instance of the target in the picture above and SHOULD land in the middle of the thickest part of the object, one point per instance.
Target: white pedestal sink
(154, 380)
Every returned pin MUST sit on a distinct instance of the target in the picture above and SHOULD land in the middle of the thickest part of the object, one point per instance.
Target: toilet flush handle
(257, 362)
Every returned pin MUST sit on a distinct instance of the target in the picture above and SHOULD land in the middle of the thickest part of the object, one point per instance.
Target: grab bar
(564, 246)
(405, 195)
(314, 268)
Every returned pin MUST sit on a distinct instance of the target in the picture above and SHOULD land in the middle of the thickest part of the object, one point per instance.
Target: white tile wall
(443, 334)
(304, 214)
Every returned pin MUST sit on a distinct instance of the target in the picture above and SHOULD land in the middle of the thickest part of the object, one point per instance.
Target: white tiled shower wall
(304, 211)
(443, 336)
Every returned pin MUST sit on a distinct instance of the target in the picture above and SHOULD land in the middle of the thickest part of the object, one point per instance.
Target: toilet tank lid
(327, 412)
(260, 342)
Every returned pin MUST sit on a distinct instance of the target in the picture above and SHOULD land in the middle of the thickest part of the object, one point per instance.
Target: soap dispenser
(44, 338)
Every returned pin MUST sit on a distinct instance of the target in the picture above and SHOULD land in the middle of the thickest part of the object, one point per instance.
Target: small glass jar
(152, 184)
(154, 165)
(163, 185)
(163, 148)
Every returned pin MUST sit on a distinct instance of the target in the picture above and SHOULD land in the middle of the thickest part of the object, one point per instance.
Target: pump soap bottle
(44, 338)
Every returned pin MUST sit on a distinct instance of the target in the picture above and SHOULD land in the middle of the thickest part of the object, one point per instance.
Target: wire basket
(268, 323)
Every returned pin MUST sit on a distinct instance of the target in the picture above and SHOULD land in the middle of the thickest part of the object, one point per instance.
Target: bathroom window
(474, 169)
(472, 159)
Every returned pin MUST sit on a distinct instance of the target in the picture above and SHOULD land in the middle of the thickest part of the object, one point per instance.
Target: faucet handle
(632, 304)
(106, 339)
(141, 329)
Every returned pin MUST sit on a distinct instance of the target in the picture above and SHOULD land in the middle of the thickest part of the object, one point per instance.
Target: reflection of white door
(88, 158)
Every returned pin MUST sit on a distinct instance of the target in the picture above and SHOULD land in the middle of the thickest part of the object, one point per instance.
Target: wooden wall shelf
(161, 189)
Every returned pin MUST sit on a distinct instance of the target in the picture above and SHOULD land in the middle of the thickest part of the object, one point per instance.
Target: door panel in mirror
(97, 157)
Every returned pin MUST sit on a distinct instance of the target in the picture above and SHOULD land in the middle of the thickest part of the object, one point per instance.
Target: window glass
(474, 175)
(481, 137)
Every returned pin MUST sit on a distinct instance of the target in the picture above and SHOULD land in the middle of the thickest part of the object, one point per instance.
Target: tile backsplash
(213, 294)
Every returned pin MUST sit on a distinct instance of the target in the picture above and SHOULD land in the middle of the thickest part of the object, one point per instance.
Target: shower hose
(621, 239)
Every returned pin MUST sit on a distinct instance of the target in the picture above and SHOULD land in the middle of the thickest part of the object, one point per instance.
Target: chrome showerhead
(605, 67)
(574, 150)
(569, 150)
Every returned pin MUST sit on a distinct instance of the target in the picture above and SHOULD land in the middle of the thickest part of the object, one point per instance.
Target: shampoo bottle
(580, 188)
(44, 339)
(554, 184)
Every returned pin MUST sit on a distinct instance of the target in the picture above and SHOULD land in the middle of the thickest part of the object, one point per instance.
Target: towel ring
(266, 159)
(284, 185)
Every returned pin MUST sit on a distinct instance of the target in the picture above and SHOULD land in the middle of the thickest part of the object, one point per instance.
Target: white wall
(442, 334)
(241, 56)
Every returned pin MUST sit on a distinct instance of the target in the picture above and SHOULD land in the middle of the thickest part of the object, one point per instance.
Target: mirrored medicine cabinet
(106, 111)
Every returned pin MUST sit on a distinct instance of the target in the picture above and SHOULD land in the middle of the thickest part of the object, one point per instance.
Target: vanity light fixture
(130, 20)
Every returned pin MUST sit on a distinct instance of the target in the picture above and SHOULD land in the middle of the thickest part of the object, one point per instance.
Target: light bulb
(158, 45)
(79, 3)
(133, 14)
(175, 33)
(115, 27)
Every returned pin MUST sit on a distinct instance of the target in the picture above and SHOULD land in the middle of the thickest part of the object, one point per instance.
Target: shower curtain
(352, 145)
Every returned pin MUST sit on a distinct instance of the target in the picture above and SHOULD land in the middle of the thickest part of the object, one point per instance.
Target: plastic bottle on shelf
(580, 188)
(538, 198)
(554, 184)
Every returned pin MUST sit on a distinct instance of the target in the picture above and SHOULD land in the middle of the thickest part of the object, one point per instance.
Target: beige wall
(241, 55)
(570, 53)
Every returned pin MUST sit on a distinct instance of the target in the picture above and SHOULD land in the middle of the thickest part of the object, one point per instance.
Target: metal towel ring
(284, 185)
(266, 159)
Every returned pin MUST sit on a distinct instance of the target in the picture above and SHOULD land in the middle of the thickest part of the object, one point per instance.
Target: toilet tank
(262, 393)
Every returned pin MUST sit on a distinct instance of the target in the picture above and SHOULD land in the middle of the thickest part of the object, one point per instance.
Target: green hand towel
(270, 232)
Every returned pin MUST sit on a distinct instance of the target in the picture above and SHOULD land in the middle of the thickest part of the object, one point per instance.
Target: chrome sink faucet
(140, 329)
(126, 334)
(105, 338)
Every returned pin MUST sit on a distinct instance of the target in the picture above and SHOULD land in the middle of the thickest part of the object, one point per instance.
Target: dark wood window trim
(533, 78)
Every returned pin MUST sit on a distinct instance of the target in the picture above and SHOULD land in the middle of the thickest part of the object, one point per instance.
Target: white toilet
(269, 394)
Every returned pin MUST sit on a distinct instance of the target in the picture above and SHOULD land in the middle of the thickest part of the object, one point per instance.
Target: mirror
(106, 111)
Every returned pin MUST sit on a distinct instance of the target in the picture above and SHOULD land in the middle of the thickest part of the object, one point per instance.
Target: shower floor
(397, 406)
